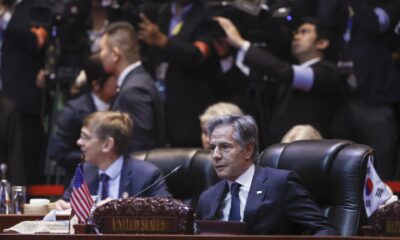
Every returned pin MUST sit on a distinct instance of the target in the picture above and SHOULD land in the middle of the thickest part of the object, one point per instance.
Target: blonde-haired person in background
(301, 132)
(212, 111)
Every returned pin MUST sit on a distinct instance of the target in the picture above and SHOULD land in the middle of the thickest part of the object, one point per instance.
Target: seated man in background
(101, 88)
(269, 201)
(215, 110)
(108, 173)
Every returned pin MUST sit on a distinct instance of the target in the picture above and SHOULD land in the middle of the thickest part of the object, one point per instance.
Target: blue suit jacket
(277, 204)
(135, 176)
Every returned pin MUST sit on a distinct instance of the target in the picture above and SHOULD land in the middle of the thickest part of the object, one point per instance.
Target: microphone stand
(159, 180)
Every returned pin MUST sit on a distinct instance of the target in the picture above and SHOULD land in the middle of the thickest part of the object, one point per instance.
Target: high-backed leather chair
(333, 171)
(195, 175)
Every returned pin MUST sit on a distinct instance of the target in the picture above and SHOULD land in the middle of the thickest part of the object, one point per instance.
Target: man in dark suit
(21, 58)
(308, 92)
(137, 93)
(108, 172)
(10, 142)
(370, 113)
(269, 201)
(101, 90)
(184, 65)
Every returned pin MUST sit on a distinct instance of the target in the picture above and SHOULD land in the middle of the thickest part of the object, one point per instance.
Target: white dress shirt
(245, 181)
(114, 174)
(100, 104)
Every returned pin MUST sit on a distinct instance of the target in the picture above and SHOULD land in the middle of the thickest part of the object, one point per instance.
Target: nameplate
(392, 227)
(139, 225)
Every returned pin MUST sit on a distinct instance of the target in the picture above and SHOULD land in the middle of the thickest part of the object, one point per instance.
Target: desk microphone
(175, 170)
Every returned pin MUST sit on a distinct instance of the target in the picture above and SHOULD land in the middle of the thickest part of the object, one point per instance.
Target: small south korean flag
(375, 192)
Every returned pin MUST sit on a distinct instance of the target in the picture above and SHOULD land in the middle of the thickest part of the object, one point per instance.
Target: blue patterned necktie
(104, 185)
(234, 214)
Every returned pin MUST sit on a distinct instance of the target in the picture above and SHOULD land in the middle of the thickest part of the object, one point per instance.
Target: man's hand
(150, 33)
(233, 36)
(61, 205)
(41, 79)
(41, 36)
(99, 203)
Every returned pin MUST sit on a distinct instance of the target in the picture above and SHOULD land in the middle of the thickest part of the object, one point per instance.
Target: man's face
(304, 40)
(90, 145)
(107, 55)
(230, 160)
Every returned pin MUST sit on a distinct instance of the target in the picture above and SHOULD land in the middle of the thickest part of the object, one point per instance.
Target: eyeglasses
(85, 137)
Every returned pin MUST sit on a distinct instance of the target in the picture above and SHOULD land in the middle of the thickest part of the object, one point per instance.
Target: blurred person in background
(136, 91)
(10, 142)
(21, 58)
(300, 132)
(309, 90)
(100, 90)
(369, 113)
(215, 110)
(184, 65)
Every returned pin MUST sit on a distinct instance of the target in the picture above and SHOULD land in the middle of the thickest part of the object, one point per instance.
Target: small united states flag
(81, 201)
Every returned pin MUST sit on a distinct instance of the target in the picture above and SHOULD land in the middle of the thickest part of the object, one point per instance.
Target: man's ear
(248, 151)
(322, 44)
(116, 54)
(108, 144)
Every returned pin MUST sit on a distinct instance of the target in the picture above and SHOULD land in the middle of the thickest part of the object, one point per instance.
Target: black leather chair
(195, 175)
(333, 171)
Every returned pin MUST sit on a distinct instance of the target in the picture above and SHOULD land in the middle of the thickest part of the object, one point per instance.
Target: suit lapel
(257, 193)
(125, 180)
(217, 197)
(90, 103)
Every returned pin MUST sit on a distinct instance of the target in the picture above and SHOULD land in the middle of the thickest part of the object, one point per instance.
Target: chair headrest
(319, 163)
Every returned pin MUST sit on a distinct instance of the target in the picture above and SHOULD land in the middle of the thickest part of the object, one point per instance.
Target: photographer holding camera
(313, 85)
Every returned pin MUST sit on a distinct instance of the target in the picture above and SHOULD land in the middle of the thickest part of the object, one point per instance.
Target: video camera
(66, 21)
(261, 21)
(277, 8)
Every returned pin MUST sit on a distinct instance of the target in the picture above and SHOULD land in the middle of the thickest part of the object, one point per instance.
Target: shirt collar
(100, 104)
(184, 11)
(126, 71)
(114, 169)
(246, 177)
(310, 62)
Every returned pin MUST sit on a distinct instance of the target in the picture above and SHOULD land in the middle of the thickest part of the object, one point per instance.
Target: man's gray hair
(245, 130)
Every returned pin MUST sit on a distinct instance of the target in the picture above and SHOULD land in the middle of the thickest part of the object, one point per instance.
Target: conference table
(171, 237)
(7, 221)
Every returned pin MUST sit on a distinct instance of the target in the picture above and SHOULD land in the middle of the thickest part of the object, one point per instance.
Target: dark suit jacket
(138, 97)
(136, 175)
(10, 142)
(63, 147)
(20, 61)
(283, 207)
(377, 74)
(190, 79)
(291, 106)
